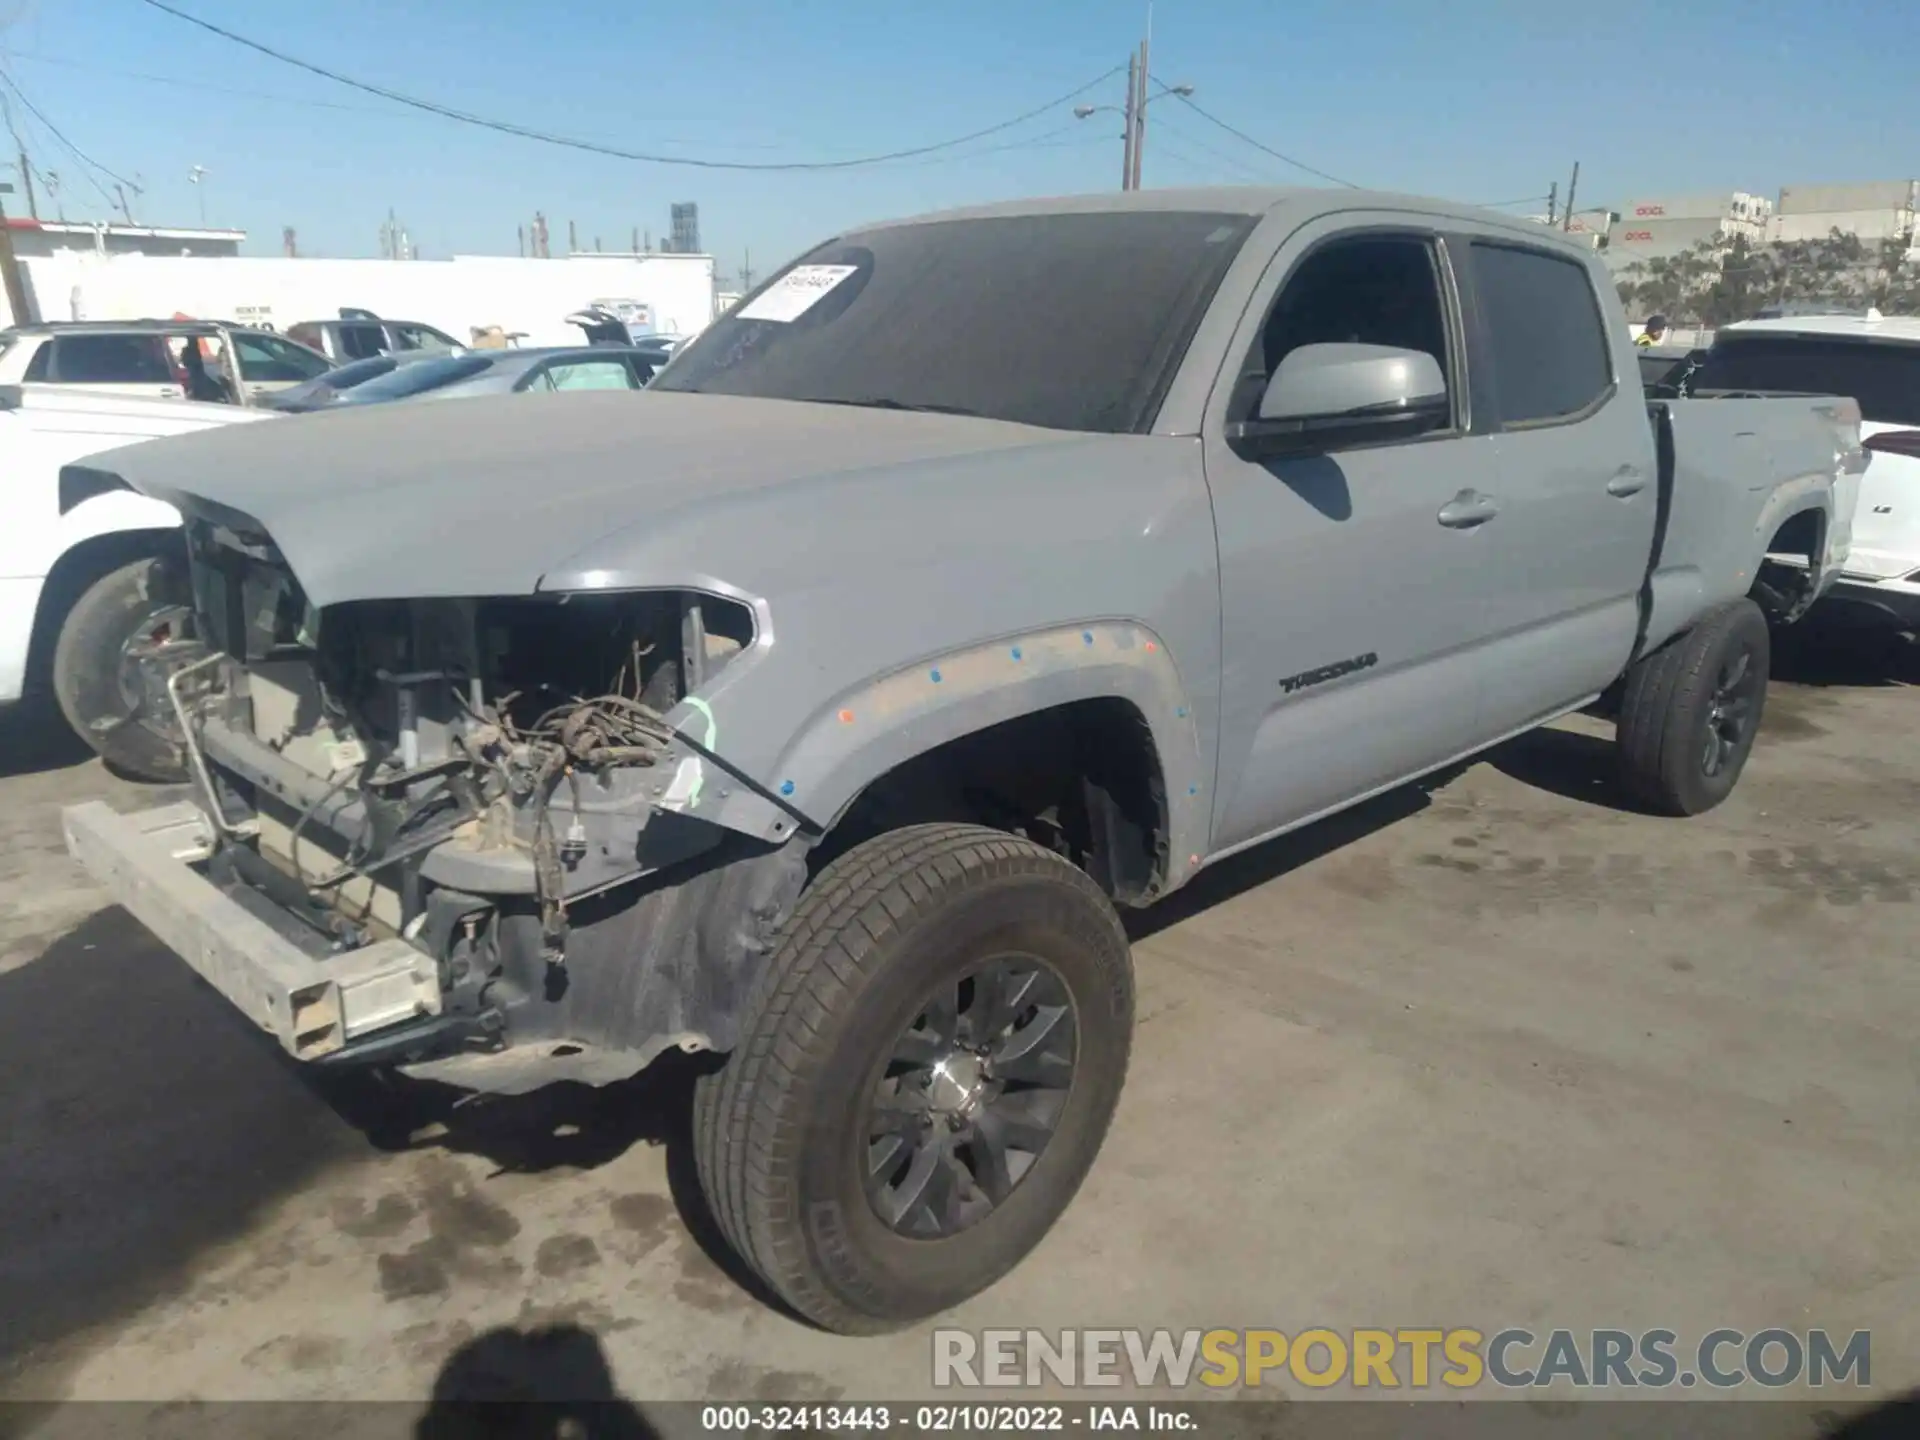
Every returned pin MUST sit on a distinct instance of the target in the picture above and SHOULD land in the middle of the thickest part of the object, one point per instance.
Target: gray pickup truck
(976, 577)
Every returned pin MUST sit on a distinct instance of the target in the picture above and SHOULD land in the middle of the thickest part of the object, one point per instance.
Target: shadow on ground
(34, 738)
(541, 1384)
(1825, 651)
(144, 1123)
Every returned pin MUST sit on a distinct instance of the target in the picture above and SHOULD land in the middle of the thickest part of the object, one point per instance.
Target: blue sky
(1482, 100)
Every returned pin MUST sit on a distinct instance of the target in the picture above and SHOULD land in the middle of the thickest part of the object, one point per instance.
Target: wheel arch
(79, 566)
(1106, 680)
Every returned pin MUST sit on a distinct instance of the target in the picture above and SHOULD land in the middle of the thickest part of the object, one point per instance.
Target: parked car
(323, 390)
(360, 335)
(1072, 600)
(470, 373)
(149, 359)
(84, 621)
(1876, 360)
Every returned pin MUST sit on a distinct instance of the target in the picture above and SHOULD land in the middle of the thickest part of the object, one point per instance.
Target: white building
(1873, 211)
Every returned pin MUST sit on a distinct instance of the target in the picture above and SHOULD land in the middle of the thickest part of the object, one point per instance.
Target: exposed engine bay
(482, 778)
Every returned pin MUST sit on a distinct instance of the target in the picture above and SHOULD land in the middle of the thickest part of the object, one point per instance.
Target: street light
(194, 177)
(1135, 117)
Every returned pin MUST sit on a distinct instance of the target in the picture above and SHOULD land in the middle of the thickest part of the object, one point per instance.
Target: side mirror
(1332, 394)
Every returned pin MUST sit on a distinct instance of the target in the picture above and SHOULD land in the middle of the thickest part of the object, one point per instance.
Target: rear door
(362, 340)
(1561, 573)
(1351, 624)
(124, 363)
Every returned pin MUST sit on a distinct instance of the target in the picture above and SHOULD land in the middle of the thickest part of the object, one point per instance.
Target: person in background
(199, 383)
(1655, 332)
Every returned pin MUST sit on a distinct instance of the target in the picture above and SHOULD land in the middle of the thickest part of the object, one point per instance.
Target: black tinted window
(1884, 378)
(359, 342)
(1068, 321)
(1382, 290)
(112, 360)
(1550, 355)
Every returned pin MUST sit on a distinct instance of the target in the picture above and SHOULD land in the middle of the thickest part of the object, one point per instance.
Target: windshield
(1069, 321)
(417, 378)
(1883, 377)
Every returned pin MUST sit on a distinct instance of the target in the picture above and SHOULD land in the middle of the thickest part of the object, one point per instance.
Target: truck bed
(1731, 471)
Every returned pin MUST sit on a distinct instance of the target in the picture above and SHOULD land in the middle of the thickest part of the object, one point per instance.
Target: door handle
(1468, 509)
(1627, 480)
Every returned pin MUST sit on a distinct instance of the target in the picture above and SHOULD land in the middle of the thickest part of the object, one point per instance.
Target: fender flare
(875, 727)
(108, 513)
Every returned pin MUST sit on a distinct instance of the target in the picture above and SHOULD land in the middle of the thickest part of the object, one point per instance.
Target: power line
(88, 164)
(1242, 166)
(593, 147)
(1503, 204)
(1237, 134)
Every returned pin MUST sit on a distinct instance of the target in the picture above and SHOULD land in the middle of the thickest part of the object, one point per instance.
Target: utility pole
(1140, 111)
(1133, 97)
(573, 239)
(746, 271)
(26, 180)
(1572, 185)
(125, 209)
(290, 242)
(520, 240)
(636, 239)
(10, 270)
(1553, 198)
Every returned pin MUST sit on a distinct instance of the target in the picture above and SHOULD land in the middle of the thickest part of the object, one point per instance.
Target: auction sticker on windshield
(795, 292)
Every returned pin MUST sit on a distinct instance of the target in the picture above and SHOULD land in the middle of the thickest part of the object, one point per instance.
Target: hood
(487, 496)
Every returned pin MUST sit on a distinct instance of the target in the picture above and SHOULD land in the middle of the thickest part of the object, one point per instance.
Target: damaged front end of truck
(481, 839)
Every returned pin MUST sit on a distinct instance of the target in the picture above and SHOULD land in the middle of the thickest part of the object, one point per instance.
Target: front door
(1352, 629)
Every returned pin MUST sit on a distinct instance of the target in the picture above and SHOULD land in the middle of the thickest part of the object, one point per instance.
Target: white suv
(148, 359)
(1876, 360)
(87, 569)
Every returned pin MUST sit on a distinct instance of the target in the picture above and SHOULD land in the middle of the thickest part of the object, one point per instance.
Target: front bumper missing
(313, 1007)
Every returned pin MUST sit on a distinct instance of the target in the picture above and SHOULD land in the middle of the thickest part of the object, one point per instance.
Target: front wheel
(101, 672)
(924, 1077)
(1691, 709)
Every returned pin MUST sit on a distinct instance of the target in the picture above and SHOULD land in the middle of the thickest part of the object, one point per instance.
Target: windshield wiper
(881, 402)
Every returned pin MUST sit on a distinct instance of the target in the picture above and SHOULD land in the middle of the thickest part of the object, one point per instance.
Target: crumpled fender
(869, 730)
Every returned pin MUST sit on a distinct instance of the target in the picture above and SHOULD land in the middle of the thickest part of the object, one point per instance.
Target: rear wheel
(103, 672)
(1690, 711)
(925, 1075)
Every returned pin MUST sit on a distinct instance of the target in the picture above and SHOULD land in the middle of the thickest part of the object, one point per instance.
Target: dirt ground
(1489, 1051)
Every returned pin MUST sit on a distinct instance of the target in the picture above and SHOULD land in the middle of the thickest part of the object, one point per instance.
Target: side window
(39, 366)
(266, 359)
(362, 342)
(609, 374)
(420, 337)
(112, 360)
(1370, 290)
(1549, 343)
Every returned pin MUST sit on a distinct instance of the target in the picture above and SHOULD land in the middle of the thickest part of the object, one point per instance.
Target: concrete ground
(1487, 1052)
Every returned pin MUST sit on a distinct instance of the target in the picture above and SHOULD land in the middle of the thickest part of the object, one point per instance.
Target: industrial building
(1874, 211)
(1662, 228)
(33, 238)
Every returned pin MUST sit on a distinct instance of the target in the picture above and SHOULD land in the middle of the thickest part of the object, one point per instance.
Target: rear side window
(362, 342)
(40, 366)
(1884, 378)
(1550, 357)
(112, 360)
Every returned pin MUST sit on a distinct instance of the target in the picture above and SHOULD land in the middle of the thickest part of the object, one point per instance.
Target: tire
(1691, 709)
(781, 1131)
(88, 662)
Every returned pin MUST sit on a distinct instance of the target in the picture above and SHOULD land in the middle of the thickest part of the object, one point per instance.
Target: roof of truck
(1235, 200)
(1894, 329)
